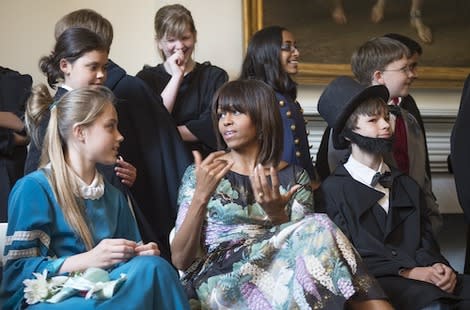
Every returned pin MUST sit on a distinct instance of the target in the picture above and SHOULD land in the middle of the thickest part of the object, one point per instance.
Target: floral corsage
(92, 283)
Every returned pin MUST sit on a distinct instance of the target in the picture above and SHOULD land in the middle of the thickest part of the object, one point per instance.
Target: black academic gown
(14, 91)
(460, 155)
(404, 240)
(153, 145)
(408, 103)
(193, 101)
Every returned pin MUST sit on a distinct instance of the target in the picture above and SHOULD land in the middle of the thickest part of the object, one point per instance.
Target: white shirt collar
(364, 175)
(66, 87)
(361, 172)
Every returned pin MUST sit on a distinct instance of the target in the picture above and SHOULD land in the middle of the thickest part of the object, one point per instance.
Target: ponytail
(50, 66)
(37, 105)
(81, 106)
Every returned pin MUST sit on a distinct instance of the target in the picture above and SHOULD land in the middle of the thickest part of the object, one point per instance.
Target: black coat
(14, 90)
(460, 150)
(153, 145)
(328, 158)
(405, 241)
(408, 103)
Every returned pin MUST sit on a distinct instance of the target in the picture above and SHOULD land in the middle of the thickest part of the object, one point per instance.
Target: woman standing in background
(186, 86)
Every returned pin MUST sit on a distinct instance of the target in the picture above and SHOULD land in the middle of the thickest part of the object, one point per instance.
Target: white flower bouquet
(92, 283)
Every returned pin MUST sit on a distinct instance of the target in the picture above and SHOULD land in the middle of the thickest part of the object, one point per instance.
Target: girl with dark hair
(79, 59)
(272, 57)
(66, 220)
(246, 234)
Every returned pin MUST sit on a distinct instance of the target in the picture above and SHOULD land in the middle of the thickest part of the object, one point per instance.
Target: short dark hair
(256, 99)
(412, 45)
(371, 106)
(72, 44)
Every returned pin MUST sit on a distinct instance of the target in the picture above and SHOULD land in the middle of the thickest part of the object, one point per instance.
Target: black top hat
(339, 100)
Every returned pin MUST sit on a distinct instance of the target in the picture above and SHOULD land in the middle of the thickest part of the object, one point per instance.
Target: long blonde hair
(78, 107)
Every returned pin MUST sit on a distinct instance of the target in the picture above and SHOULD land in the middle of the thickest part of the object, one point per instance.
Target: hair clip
(53, 105)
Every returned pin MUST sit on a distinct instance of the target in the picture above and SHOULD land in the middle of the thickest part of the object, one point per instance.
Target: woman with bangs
(186, 86)
(246, 234)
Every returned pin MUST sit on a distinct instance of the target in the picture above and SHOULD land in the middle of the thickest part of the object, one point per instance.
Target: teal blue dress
(248, 263)
(39, 237)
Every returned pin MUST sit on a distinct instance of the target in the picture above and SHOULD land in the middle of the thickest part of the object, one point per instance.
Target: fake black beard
(378, 146)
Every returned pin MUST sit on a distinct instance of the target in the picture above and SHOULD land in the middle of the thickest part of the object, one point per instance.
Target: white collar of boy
(66, 87)
(396, 100)
(93, 191)
(364, 174)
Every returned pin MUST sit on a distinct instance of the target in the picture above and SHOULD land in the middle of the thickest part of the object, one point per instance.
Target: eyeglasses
(406, 69)
(287, 47)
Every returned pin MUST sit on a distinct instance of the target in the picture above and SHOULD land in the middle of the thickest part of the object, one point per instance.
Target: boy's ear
(378, 78)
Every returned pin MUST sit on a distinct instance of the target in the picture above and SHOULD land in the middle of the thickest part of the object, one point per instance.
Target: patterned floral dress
(248, 263)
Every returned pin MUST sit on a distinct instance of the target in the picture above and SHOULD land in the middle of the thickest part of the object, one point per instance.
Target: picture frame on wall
(326, 46)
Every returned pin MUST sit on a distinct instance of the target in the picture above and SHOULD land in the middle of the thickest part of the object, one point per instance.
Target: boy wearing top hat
(381, 209)
(386, 61)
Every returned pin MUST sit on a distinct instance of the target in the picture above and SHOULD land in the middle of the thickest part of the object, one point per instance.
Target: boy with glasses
(385, 61)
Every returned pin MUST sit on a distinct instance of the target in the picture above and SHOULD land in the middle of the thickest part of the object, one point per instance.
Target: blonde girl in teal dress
(66, 218)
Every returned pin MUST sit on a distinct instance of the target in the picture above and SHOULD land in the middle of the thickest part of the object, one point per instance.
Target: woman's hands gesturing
(209, 172)
(268, 195)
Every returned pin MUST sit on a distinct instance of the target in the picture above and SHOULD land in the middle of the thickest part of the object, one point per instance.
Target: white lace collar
(93, 191)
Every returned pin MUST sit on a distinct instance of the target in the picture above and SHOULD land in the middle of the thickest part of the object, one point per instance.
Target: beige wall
(27, 31)
(27, 34)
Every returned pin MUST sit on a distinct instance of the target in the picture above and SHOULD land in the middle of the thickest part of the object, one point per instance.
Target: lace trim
(93, 191)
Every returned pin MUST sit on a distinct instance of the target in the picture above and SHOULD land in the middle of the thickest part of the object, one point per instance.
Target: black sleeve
(460, 150)
(321, 163)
